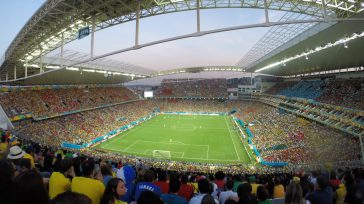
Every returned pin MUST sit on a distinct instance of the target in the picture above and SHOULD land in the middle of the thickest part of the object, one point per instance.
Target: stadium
(196, 101)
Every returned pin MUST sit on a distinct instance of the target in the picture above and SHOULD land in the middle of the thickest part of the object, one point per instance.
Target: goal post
(162, 154)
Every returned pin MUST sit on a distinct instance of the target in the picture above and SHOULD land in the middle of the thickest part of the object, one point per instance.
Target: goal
(161, 154)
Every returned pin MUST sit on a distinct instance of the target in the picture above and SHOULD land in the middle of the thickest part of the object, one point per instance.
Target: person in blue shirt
(173, 197)
(323, 193)
(147, 185)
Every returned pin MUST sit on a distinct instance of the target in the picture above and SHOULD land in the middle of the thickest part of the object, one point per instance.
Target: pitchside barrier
(256, 152)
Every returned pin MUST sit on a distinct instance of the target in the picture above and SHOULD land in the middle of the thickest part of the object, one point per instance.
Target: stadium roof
(58, 22)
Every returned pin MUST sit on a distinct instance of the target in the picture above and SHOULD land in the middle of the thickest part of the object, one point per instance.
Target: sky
(219, 49)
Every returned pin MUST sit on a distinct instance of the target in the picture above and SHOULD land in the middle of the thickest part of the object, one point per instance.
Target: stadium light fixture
(31, 65)
(88, 70)
(72, 68)
(52, 67)
(317, 49)
(101, 71)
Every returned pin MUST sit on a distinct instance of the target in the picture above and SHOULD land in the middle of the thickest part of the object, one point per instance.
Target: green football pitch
(194, 138)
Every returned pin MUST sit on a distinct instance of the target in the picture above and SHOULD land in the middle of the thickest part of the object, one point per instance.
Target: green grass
(210, 139)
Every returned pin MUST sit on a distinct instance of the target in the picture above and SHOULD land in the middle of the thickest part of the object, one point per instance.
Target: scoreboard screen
(148, 94)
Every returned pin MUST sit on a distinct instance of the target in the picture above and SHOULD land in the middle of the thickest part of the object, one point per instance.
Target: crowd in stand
(50, 102)
(85, 126)
(193, 88)
(196, 105)
(40, 174)
(279, 136)
(342, 92)
(348, 93)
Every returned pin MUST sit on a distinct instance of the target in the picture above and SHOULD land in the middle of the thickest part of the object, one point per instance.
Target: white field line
(118, 150)
(134, 143)
(121, 138)
(232, 139)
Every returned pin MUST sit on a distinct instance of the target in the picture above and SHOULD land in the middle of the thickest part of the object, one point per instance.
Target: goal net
(161, 154)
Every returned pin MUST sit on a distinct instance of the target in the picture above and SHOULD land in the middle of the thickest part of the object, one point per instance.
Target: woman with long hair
(294, 194)
(114, 190)
(30, 188)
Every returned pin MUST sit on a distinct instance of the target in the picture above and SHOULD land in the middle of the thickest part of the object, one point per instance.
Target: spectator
(294, 194)
(71, 198)
(254, 185)
(278, 191)
(186, 190)
(87, 184)
(245, 194)
(162, 181)
(114, 190)
(106, 174)
(147, 185)
(7, 174)
(24, 165)
(29, 155)
(127, 174)
(29, 187)
(263, 196)
(15, 154)
(228, 193)
(59, 181)
(173, 197)
(208, 199)
(204, 189)
(3, 147)
(149, 197)
(323, 193)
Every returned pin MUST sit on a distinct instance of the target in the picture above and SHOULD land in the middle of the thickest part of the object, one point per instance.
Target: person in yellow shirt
(3, 147)
(340, 194)
(31, 158)
(87, 184)
(254, 185)
(278, 191)
(58, 182)
(114, 190)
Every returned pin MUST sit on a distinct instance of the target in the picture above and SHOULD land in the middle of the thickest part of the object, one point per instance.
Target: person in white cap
(15, 154)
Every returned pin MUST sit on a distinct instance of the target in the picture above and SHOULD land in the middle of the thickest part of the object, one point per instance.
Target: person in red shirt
(334, 181)
(162, 182)
(186, 189)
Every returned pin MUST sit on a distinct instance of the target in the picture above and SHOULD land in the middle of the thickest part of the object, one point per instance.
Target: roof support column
(62, 44)
(92, 36)
(198, 15)
(266, 11)
(251, 78)
(137, 23)
(41, 62)
(14, 72)
(6, 76)
(26, 69)
(361, 149)
(324, 9)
